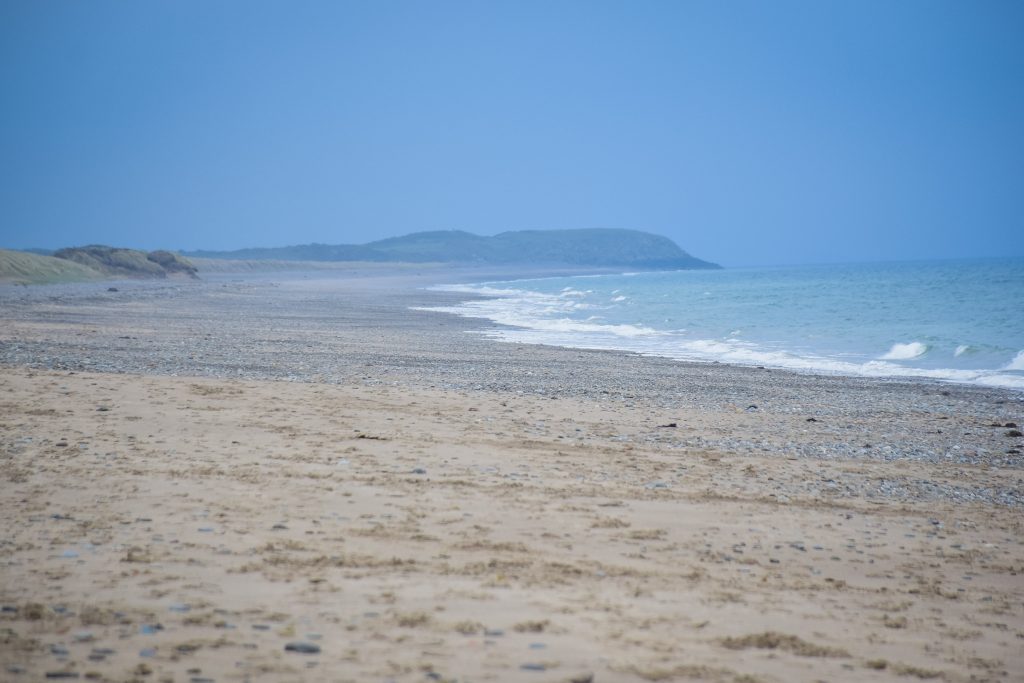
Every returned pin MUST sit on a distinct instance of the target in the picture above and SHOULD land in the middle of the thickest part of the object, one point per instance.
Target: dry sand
(189, 529)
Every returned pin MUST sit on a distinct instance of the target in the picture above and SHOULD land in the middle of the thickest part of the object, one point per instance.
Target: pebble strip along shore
(346, 331)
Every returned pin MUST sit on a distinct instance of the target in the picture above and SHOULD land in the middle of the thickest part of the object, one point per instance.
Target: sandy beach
(296, 477)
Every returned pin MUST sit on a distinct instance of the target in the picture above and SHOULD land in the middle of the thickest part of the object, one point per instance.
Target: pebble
(147, 652)
(419, 470)
(533, 667)
(303, 648)
(179, 607)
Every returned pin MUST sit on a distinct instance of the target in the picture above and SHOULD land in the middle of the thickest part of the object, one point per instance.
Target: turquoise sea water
(960, 321)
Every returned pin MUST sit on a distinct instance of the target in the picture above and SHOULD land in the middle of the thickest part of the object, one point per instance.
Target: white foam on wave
(1017, 363)
(527, 309)
(908, 351)
(961, 350)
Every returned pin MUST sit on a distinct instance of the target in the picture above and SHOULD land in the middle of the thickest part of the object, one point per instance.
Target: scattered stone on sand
(303, 647)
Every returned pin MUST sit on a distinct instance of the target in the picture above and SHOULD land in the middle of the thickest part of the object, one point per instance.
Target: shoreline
(405, 281)
(198, 476)
(362, 329)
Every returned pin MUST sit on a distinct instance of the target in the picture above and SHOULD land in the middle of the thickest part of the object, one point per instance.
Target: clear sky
(750, 132)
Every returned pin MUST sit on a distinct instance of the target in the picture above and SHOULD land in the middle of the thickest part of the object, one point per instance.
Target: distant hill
(95, 262)
(592, 247)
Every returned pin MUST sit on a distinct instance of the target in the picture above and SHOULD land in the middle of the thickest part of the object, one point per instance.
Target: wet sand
(265, 465)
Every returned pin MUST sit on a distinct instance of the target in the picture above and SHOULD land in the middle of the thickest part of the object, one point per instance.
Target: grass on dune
(23, 268)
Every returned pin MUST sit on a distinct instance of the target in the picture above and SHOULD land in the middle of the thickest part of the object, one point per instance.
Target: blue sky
(750, 132)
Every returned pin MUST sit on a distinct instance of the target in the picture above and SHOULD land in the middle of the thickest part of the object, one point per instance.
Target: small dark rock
(419, 470)
(812, 419)
(302, 648)
(1010, 425)
(1014, 433)
(533, 667)
(670, 424)
(112, 289)
(751, 408)
(61, 674)
(58, 650)
(102, 409)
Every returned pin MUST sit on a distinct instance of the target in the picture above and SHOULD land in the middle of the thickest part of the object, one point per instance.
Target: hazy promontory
(599, 247)
(588, 248)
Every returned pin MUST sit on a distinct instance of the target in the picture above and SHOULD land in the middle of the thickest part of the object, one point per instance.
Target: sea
(956, 321)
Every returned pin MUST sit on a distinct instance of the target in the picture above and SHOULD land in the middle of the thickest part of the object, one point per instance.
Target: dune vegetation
(95, 262)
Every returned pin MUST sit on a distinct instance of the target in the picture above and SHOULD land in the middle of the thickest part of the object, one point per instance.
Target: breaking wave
(906, 351)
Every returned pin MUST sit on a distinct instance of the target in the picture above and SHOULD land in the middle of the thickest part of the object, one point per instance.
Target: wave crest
(910, 351)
